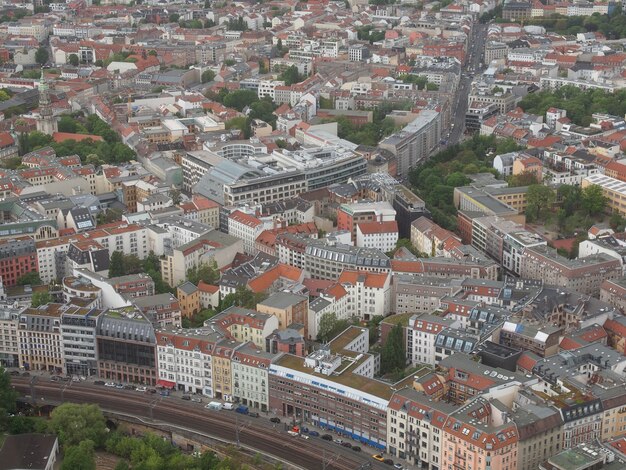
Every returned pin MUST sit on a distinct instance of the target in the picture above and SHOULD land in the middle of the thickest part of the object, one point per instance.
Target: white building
(422, 332)
(184, 359)
(250, 366)
(247, 228)
(381, 235)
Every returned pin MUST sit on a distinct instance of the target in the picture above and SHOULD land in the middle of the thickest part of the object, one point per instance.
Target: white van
(214, 405)
(229, 406)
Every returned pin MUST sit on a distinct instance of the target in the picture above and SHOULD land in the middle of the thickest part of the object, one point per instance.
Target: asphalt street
(475, 51)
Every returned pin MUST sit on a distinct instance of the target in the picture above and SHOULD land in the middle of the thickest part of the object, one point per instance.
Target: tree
(242, 298)
(29, 279)
(174, 17)
(525, 178)
(208, 273)
(208, 76)
(539, 198)
(8, 395)
(593, 200)
(73, 60)
(76, 423)
(393, 356)
(79, 457)
(152, 53)
(239, 99)
(330, 326)
(116, 264)
(176, 196)
(41, 56)
(291, 75)
(40, 298)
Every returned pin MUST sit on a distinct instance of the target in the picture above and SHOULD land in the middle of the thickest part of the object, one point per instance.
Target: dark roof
(30, 451)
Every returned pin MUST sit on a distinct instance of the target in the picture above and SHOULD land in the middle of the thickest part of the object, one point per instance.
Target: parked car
(54, 378)
(338, 441)
(346, 444)
(26, 374)
(292, 433)
(120, 385)
(141, 389)
(109, 384)
(356, 448)
(15, 372)
(129, 387)
(254, 414)
(327, 437)
(314, 434)
(398, 466)
(275, 420)
(304, 436)
(196, 399)
(186, 397)
(378, 457)
(388, 462)
(99, 382)
(152, 390)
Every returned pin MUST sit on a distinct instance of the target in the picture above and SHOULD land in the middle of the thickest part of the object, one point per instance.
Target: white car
(141, 389)
(304, 436)
(109, 384)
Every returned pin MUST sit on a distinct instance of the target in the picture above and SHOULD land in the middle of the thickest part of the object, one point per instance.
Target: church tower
(46, 123)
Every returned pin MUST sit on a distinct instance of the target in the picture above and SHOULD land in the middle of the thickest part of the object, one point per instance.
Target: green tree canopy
(40, 298)
(393, 355)
(242, 298)
(8, 395)
(330, 326)
(291, 75)
(76, 423)
(72, 59)
(208, 76)
(204, 272)
(539, 199)
(593, 200)
(41, 56)
(29, 279)
(80, 457)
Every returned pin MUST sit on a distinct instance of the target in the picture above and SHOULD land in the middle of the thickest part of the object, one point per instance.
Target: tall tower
(46, 123)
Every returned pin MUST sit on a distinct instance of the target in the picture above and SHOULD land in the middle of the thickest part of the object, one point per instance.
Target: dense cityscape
(312, 234)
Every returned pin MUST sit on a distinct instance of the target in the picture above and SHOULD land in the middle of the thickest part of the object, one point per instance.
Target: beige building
(39, 336)
(613, 189)
(583, 275)
(288, 308)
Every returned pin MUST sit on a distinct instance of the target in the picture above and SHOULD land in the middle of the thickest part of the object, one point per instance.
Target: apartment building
(613, 291)
(246, 227)
(420, 293)
(161, 309)
(524, 336)
(126, 347)
(250, 371)
(18, 256)
(415, 142)
(78, 330)
(244, 325)
(288, 308)
(480, 444)
(335, 389)
(421, 335)
(212, 246)
(584, 275)
(40, 340)
(415, 425)
(184, 359)
(349, 216)
(9, 337)
(381, 235)
(429, 238)
(328, 261)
